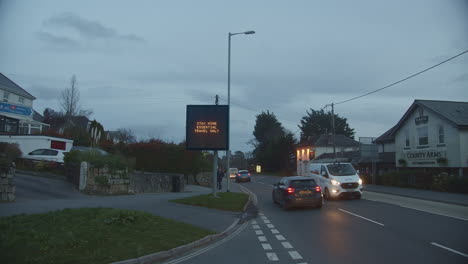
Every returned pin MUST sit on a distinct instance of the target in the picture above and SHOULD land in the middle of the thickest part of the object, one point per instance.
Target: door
(324, 179)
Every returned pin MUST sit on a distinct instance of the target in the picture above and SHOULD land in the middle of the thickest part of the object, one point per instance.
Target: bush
(9, 152)
(112, 162)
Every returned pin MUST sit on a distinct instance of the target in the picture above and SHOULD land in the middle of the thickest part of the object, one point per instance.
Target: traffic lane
(332, 236)
(410, 224)
(250, 244)
(451, 210)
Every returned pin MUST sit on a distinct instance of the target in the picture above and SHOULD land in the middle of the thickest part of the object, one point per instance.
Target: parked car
(233, 172)
(243, 175)
(46, 155)
(297, 191)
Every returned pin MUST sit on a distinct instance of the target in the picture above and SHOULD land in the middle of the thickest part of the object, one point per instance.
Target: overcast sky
(139, 63)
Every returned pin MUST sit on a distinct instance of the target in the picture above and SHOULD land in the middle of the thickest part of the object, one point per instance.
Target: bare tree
(126, 136)
(70, 101)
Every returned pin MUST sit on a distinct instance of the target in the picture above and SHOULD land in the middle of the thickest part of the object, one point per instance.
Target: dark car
(297, 191)
(243, 175)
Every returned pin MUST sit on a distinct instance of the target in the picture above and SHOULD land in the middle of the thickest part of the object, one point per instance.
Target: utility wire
(404, 79)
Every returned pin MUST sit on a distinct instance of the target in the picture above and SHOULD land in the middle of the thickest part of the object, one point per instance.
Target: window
(341, 169)
(423, 136)
(407, 142)
(6, 95)
(302, 184)
(38, 152)
(441, 135)
(21, 99)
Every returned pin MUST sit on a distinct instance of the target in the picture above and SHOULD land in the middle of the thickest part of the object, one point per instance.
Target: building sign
(15, 109)
(424, 157)
(422, 119)
(54, 144)
(207, 127)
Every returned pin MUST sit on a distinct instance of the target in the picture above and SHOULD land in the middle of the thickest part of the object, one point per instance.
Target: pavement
(38, 195)
(442, 197)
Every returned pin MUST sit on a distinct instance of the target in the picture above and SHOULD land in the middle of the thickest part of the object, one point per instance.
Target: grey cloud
(87, 28)
(44, 92)
(58, 42)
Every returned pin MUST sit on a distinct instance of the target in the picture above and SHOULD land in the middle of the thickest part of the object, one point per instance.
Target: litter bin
(175, 184)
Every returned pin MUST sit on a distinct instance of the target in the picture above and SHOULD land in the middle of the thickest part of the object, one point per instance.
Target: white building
(431, 134)
(17, 115)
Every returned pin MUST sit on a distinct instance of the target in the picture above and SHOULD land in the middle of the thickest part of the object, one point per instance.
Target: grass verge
(90, 235)
(227, 201)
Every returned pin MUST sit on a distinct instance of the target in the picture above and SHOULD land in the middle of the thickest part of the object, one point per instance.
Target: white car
(233, 172)
(46, 155)
(337, 180)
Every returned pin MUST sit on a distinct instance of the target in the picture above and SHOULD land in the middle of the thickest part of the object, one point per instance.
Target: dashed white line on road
(295, 255)
(270, 226)
(266, 246)
(254, 222)
(280, 237)
(256, 226)
(272, 256)
(286, 245)
(264, 217)
(449, 249)
(375, 222)
(258, 232)
(262, 238)
(266, 221)
(274, 231)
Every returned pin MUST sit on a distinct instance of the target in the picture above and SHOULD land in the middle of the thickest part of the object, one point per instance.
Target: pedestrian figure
(220, 177)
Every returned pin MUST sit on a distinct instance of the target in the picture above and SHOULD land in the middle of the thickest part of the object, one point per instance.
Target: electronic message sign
(207, 127)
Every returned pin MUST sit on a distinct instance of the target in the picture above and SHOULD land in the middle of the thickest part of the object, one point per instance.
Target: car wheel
(273, 198)
(320, 204)
(285, 205)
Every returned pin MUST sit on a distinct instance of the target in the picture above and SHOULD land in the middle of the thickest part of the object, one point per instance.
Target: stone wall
(7, 186)
(204, 179)
(104, 181)
(146, 182)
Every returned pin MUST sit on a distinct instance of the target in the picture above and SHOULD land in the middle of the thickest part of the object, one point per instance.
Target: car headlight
(334, 182)
(360, 181)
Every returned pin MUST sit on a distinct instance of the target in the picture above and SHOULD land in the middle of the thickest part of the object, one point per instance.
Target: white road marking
(264, 217)
(286, 245)
(449, 249)
(280, 237)
(459, 218)
(375, 222)
(256, 226)
(270, 226)
(294, 255)
(302, 263)
(272, 256)
(260, 213)
(262, 238)
(203, 250)
(274, 231)
(266, 246)
(266, 221)
(258, 232)
(254, 222)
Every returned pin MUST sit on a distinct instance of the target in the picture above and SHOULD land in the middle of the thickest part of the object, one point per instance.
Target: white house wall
(419, 156)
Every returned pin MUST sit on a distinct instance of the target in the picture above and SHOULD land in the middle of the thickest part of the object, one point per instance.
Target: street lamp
(228, 153)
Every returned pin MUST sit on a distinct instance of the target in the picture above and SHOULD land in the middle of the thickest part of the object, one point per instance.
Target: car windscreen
(341, 169)
(302, 184)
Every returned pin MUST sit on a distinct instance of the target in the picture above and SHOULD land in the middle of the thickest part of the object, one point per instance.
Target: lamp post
(228, 152)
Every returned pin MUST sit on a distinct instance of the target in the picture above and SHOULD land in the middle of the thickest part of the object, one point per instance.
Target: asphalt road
(375, 229)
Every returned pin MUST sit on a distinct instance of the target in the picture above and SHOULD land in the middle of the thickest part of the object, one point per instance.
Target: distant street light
(228, 153)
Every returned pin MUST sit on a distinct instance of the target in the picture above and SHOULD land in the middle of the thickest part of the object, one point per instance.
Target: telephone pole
(333, 127)
(215, 163)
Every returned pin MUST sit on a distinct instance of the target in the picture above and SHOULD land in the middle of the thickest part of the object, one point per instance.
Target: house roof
(349, 155)
(341, 140)
(454, 112)
(10, 86)
(38, 117)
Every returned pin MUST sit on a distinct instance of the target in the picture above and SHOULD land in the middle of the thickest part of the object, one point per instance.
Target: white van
(233, 173)
(337, 180)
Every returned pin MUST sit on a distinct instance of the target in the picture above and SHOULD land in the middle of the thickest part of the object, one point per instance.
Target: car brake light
(238, 174)
(290, 190)
(249, 174)
(318, 189)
